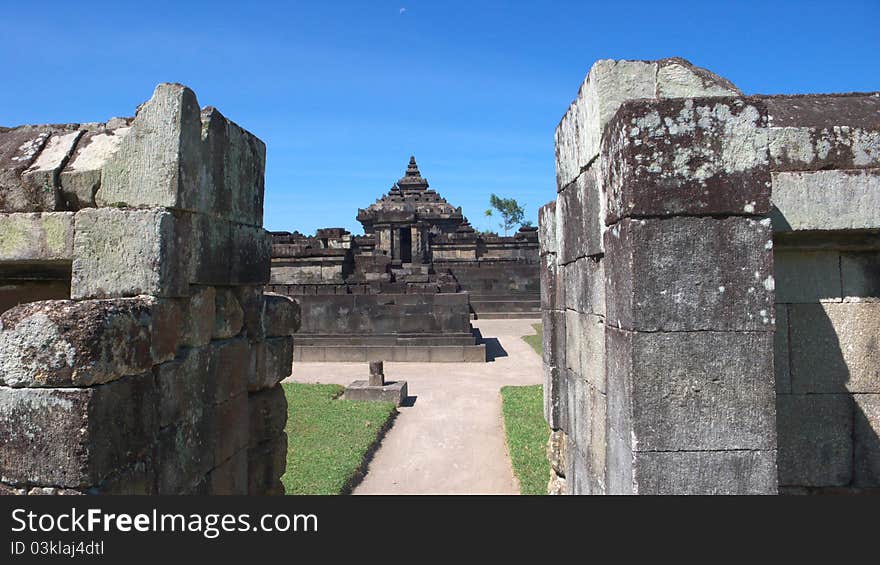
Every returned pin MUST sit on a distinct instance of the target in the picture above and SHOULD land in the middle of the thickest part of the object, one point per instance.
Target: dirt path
(451, 440)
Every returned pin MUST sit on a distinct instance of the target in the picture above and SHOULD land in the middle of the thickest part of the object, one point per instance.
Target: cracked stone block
(229, 427)
(281, 315)
(266, 465)
(46, 236)
(826, 200)
(267, 415)
(692, 391)
(60, 437)
(250, 298)
(230, 477)
(815, 436)
(584, 283)
(62, 343)
(705, 472)
(30, 160)
(228, 368)
(585, 347)
(81, 177)
(183, 386)
(553, 337)
(685, 157)
(685, 274)
(273, 362)
(126, 252)
(834, 347)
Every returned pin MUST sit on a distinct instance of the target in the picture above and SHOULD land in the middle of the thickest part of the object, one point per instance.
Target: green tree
(511, 212)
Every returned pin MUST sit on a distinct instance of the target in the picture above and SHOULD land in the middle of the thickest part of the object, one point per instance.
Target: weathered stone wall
(658, 375)
(824, 158)
(663, 307)
(159, 370)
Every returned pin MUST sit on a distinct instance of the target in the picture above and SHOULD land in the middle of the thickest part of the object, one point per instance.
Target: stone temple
(406, 289)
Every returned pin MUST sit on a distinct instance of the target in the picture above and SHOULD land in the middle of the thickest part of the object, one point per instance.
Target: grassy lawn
(328, 438)
(527, 433)
(535, 340)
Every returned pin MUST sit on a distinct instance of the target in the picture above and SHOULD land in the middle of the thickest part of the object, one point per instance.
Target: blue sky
(343, 92)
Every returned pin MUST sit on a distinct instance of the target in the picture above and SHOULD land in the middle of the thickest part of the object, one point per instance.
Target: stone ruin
(138, 351)
(407, 289)
(711, 288)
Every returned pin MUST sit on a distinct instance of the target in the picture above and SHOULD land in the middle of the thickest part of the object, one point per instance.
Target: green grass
(328, 439)
(527, 433)
(535, 340)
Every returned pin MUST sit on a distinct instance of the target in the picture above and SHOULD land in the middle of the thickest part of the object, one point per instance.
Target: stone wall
(154, 368)
(659, 297)
(824, 158)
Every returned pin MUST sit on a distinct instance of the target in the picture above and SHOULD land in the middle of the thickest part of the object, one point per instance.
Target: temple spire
(412, 179)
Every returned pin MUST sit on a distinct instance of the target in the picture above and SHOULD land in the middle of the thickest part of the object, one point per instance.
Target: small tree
(510, 211)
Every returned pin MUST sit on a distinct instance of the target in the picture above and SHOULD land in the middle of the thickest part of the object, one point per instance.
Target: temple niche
(407, 289)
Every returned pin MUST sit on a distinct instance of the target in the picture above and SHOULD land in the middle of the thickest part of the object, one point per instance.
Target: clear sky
(343, 92)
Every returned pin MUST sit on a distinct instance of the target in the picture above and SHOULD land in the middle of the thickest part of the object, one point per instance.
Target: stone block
(266, 464)
(267, 415)
(860, 276)
(229, 427)
(62, 343)
(317, 354)
(685, 274)
(81, 177)
(866, 436)
(815, 435)
(584, 282)
(184, 454)
(165, 328)
(692, 391)
(834, 347)
(702, 473)
(228, 314)
(198, 314)
(395, 392)
(473, 353)
(278, 364)
(228, 369)
(551, 283)
(580, 217)
(585, 347)
(230, 477)
(547, 228)
(596, 450)
(826, 200)
(807, 276)
(619, 465)
(60, 437)
(281, 315)
(446, 354)
(184, 387)
(129, 252)
(556, 452)
(46, 236)
(682, 157)
(824, 131)
(553, 402)
(160, 162)
(250, 255)
(553, 337)
(782, 351)
(30, 160)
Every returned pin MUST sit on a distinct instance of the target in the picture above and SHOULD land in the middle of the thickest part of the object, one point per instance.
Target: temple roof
(409, 200)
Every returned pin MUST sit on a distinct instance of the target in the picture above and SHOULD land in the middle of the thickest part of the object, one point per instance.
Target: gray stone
(834, 347)
(580, 218)
(585, 347)
(584, 282)
(693, 391)
(866, 435)
(60, 437)
(695, 156)
(267, 415)
(46, 236)
(30, 157)
(395, 392)
(547, 228)
(128, 252)
(81, 177)
(782, 351)
(281, 315)
(199, 313)
(815, 439)
(228, 315)
(860, 275)
(807, 276)
(684, 274)
(702, 473)
(826, 200)
(42, 177)
(184, 386)
(556, 452)
(62, 343)
(228, 369)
